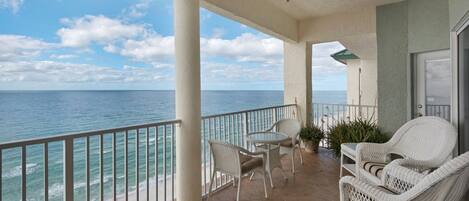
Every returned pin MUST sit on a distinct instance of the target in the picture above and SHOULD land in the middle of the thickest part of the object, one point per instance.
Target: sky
(129, 45)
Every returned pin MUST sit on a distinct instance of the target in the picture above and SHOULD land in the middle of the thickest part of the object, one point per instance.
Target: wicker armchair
(235, 161)
(450, 182)
(426, 143)
(292, 128)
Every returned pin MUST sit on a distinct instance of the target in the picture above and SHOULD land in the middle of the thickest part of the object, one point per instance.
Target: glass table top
(266, 137)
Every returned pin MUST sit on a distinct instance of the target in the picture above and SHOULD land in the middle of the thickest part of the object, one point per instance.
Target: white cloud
(237, 73)
(245, 48)
(218, 32)
(83, 31)
(151, 49)
(137, 10)
(50, 71)
(13, 5)
(13, 47)
(62, 56)
(322, 62)
(139, 43)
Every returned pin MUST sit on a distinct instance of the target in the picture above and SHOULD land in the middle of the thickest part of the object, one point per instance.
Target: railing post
(68, 169)
(246, 127)
(274, 115)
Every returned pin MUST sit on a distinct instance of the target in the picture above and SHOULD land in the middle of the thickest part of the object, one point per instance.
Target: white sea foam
(17, 170)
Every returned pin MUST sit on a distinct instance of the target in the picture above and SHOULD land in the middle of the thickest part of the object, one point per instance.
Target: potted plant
(356, 131)
(311, 137)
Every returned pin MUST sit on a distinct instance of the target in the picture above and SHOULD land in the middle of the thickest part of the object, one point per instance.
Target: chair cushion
(288, 143)
(373, 168)
(250, 164)
(243, 158)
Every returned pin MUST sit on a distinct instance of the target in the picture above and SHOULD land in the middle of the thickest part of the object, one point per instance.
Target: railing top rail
(438, 105)
(244, 111)
(62, 137)
(351, 105)
(25, 142)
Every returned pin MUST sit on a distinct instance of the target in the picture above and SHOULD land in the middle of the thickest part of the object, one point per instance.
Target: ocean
(32, 114)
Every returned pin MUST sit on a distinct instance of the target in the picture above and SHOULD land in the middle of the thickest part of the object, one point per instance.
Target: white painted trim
(454, 64)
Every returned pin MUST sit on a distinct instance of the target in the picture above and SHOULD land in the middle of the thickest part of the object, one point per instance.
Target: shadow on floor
(316, 180)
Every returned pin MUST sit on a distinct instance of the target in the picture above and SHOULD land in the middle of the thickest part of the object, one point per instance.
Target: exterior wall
(297, 78)
(428, 25)
(338, 26)
(392, 66)
(403, 28)
(368, 81)
(352, 81)
(457, 9)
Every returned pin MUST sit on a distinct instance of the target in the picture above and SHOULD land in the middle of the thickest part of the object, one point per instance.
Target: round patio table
(269, 142)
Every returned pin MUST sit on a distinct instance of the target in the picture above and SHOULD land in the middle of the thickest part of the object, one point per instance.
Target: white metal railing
(232, 127)
(104, 169)
(326, 115)
(443, 111)
(120, 163)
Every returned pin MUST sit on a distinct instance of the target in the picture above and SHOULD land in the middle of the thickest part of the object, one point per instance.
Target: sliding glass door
(463, 71)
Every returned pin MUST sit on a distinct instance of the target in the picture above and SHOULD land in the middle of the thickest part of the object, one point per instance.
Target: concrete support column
(297, 78)
(188, 136)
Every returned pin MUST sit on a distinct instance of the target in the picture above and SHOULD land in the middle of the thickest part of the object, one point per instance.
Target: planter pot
(311, 146)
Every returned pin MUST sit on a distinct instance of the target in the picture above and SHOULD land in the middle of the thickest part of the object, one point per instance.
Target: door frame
(418, 86)
(459, 27)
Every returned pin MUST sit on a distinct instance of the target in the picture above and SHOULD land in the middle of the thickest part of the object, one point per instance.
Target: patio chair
(447, 183)
(292, 128)
(235, 161)
(427, 142)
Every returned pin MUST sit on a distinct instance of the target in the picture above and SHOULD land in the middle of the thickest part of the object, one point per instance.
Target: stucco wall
(368, 81)
(392, 65)
(457, 9)
(428, 25)
(403, 28)
(297, 78)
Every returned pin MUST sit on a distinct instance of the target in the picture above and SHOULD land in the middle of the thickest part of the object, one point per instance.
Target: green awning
(344, 55)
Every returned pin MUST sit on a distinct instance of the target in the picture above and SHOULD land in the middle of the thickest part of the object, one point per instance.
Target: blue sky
(128, 44)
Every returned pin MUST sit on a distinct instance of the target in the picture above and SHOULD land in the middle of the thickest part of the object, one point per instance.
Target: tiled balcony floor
(317, 179)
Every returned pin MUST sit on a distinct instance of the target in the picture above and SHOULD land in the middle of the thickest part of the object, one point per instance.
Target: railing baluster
(126, 155)
(246, 123)
(114, 170)
(204, 151)
(217, 132)
(147, 162)
(46, 171)
(101, 167)
(88, 194)
(223, 176)
(173, 135)
(210, 137)
(156, 162)
(1, 174)
(23, 173)
(164, 162)
(137, 164)
(68, 169)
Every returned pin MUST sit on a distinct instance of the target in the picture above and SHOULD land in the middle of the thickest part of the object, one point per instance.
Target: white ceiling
(303, 9)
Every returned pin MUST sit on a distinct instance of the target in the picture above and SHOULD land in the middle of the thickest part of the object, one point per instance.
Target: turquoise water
(31, 114)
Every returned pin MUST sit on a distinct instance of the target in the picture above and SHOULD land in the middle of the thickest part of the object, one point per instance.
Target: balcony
(102, 165)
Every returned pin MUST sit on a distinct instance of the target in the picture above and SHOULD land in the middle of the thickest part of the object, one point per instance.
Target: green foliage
(312, 133)
(359, 130)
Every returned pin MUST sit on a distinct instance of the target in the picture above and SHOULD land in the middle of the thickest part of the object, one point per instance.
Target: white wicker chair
(450, 182)
(292, 128)
(427, 142)
(235, 161)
